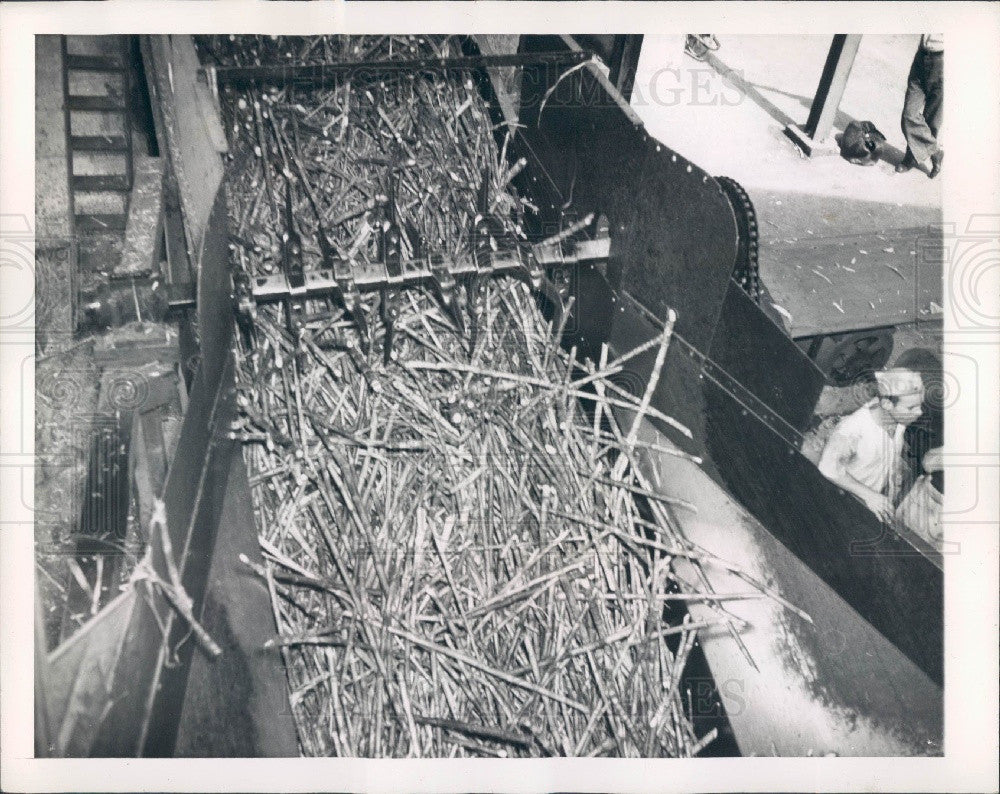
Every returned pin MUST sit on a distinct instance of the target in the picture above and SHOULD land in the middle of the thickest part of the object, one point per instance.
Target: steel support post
(812, 138)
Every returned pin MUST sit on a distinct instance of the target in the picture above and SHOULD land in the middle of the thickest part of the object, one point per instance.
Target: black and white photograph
(479, 396)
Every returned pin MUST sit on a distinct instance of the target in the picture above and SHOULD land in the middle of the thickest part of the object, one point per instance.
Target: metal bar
(193, 558)
(125, 729)
(181, 296)
(98, 143)
(127, 86)
(239, 699)
(624, 62)
(370, 278)
(859, 329)
(832, 83)
(322, 73)
(94, 103)
(93, 63)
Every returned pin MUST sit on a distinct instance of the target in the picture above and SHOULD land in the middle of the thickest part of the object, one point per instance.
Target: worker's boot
(907, 163)
(936, 159)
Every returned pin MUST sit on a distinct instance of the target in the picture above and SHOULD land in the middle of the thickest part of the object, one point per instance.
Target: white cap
(899, 382)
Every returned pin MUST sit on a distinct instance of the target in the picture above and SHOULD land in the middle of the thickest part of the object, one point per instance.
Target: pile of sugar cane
(454, 547)
(457, 560)
(431, 135)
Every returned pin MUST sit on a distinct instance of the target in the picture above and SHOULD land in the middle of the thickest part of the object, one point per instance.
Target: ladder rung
(100, 223)
(182, 295)
(94, 103)
(99, 182)
(94, 63)
(98, 143)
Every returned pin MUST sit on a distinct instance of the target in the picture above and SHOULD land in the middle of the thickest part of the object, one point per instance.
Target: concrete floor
(727, 113)
(842, 246)
(52, 202)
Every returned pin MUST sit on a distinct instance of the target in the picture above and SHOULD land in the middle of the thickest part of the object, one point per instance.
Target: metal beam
(373, 277)
(624, 63)
(324, 73)
(833, 81)
(812, 137)
(619, 53)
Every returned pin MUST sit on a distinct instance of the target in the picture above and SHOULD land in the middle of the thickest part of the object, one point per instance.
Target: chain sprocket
(746, 266)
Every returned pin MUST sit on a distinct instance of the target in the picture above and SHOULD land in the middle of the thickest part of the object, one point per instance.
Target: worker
(864, 452)
(927, 432)
(923, 106)
(920, 510)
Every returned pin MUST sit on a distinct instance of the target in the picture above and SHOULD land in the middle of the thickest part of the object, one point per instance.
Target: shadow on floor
(752, 91)
(749, 90)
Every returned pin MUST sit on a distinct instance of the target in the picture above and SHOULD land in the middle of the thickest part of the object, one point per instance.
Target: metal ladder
(98, 130)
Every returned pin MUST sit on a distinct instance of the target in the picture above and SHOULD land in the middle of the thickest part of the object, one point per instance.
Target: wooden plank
(94, 63)
(94, 103)
(137, 356)
(100, 222)
(141, 477)
(144, 227)
(152, 431)
(53, 202)
(98, 143)
(187, 117)
(98, 182)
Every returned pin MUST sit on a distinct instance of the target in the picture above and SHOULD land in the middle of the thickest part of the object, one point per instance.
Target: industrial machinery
(644, 231)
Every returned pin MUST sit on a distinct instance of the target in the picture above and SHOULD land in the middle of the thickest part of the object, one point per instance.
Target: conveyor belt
(735, 379)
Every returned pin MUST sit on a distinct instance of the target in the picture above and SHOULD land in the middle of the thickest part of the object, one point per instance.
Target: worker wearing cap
(864, 453)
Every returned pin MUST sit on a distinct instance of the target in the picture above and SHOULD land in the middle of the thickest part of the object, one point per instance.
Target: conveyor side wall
(742, 387)
(674, 244)
(673, 231)
(894, 585)
(149, 709)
